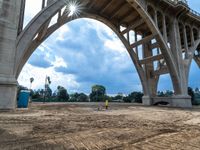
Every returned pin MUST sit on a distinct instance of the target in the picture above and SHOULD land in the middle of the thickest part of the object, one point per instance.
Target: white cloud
(39, 75)
(45, 47)
(112, 43)
(115, 45)
(59, 62)
(98, 26)
(62, 31)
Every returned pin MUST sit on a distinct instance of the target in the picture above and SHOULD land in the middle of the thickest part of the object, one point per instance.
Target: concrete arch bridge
(166, 32)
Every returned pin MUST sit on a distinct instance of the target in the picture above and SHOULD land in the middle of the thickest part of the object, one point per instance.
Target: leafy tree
(127, 99)
(191, 93)
(82, 98)
(36, 94)
(134, 96)
(138, 97)
(73, 97)
(48, 92)
(79, 97)
(197, 90)
(99, 88)
(98, 93)
(106, 97)
(41, 91)
(168, 93)
(117, 97)
(161, 94)
(48, 80)
(62, 94)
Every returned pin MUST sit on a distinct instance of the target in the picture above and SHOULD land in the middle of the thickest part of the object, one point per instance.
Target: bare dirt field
(81, 127)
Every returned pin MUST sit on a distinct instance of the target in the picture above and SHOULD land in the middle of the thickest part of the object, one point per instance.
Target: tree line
(98, 94)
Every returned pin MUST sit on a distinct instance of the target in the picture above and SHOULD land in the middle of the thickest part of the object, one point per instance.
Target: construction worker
(106, 104)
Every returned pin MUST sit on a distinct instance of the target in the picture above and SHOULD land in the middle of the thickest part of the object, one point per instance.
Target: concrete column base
(8, 94)
(183, 101)
(147, 100)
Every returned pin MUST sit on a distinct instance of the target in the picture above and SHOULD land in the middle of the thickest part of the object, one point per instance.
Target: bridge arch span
(35, 43)
(38, 30)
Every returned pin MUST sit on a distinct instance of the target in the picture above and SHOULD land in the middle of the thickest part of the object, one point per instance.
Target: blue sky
(85, 52)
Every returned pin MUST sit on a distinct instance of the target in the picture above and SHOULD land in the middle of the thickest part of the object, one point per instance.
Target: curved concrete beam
(163, 45)
(26, 38)
(54, 27)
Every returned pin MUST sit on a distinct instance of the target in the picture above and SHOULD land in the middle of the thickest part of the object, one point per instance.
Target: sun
(72, 9)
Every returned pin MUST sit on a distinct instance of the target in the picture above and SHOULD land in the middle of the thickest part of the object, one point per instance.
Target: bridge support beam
(181, 98)
(151, 79)
(9, 23)
(147, 100)
(174, 101)
(183, 101)
(8, 94)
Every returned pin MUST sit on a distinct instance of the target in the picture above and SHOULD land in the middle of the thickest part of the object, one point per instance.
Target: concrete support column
(43, 3)
(136, 48)
(8, 92)
(192, 36)
(147, 100)
(198, 33)
(9, 21)
(183, 101)
(128, 37)
(164, 28)
(185, 41)
(156, 18)
(151, 80)
(181, 98)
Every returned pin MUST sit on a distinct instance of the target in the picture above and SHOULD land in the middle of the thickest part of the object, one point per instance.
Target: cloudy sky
(85, 52)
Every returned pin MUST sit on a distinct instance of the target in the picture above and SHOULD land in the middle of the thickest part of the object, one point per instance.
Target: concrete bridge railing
(178, 1)
(185, 2)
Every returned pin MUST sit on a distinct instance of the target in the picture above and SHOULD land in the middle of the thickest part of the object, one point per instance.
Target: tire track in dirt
(74, 127)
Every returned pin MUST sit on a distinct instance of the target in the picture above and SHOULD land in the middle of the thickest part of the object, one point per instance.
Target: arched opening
(166, 86)
(197, 56)
(29, 39)
(83, 52)
(194, 82)
(165, 90)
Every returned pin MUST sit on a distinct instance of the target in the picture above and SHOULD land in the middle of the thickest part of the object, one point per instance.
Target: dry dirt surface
(83, 127)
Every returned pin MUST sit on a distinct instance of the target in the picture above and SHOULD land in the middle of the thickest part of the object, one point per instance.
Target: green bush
(62, 94)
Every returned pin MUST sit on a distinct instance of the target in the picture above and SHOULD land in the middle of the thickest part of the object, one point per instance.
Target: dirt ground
(82, 127)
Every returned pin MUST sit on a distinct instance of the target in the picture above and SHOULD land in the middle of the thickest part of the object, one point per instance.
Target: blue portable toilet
(23, 99)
